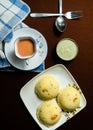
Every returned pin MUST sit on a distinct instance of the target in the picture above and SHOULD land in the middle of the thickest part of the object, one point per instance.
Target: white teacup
(25, 47)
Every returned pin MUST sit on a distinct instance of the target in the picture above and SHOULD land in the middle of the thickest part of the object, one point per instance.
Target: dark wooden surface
(13, 114)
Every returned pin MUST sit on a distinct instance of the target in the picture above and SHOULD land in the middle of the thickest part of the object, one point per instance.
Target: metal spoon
(60, 22)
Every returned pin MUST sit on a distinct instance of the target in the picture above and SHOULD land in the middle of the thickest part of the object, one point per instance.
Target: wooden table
(13, 114)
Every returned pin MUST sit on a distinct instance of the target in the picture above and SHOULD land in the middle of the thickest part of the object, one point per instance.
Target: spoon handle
(45, 14)
(60, 6)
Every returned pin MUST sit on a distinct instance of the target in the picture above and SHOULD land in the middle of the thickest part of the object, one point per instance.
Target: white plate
(31, 100)
(30, 63)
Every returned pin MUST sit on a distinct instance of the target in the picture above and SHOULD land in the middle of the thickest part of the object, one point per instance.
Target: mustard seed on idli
(69, 98)
(48, 112)
(47, 87)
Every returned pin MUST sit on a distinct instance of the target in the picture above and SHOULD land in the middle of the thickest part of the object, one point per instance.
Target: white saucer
(30, 63)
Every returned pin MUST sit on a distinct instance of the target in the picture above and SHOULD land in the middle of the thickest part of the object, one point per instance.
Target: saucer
(33, 62)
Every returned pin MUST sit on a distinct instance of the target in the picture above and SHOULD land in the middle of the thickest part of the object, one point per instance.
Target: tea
(25, 47)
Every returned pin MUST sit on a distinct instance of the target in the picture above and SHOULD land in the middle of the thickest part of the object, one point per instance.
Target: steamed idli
(48, 112)
(47, 87)
(69, 98)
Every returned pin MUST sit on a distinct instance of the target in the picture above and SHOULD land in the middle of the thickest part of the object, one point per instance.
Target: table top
(14, 115)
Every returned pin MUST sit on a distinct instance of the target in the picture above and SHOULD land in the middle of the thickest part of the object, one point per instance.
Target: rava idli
(47, 87)
(49, 112)
(69, 98)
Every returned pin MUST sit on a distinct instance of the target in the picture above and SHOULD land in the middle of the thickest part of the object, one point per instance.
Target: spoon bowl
(60, 24)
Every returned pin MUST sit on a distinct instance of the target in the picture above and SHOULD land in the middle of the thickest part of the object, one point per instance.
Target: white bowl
(67, 49)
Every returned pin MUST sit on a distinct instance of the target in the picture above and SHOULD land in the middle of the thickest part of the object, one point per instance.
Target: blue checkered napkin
(12, 12)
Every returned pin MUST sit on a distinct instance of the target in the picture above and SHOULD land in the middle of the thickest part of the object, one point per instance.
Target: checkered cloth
(12, 12)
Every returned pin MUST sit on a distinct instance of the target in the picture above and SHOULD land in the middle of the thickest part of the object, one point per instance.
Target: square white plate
(32, 101)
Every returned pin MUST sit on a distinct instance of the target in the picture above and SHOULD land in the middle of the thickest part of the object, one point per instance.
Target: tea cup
(25, 47)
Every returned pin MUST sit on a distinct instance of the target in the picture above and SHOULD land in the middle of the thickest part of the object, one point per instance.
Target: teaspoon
(60, 22)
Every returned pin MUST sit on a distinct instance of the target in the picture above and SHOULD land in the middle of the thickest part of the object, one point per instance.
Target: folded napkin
(4, 64)
(12, 12)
